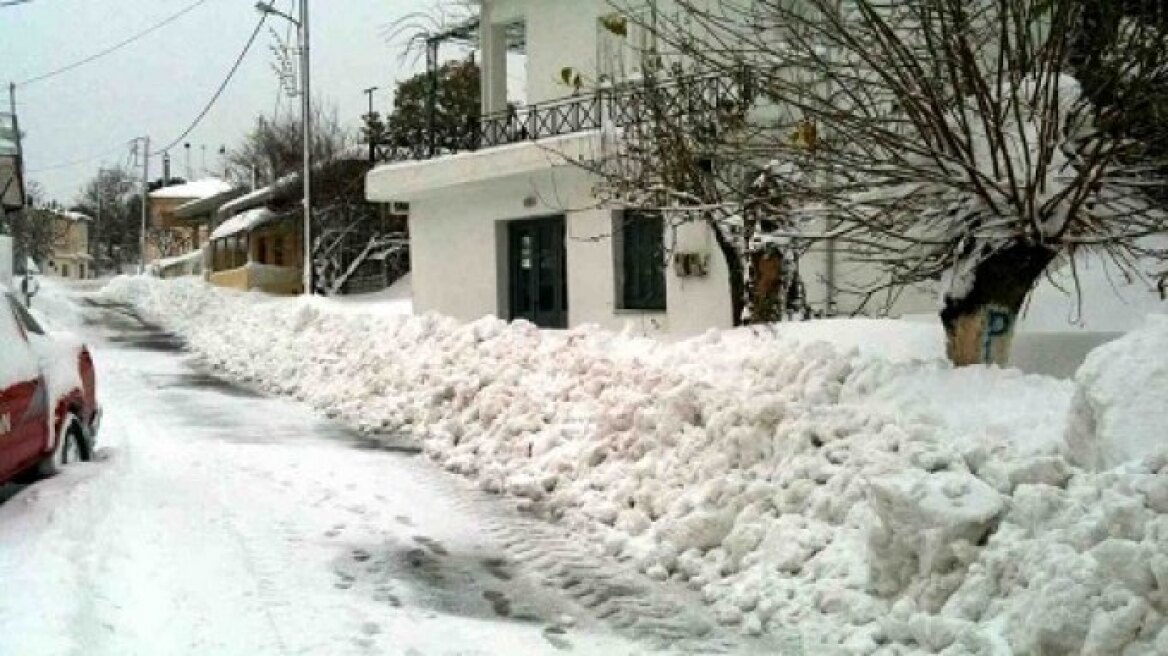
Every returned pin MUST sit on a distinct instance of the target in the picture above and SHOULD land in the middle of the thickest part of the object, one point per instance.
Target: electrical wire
(118, 46)
(222, 86)
(76, 162)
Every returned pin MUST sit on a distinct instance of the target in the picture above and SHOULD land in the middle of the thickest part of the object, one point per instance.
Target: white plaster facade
(461, 205)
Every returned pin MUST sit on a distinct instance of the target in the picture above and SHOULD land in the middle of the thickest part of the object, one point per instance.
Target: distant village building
(70, 256)
(169, 235)
(257, 242)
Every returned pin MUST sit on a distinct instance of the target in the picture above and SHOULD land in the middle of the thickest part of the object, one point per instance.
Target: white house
(513, 228)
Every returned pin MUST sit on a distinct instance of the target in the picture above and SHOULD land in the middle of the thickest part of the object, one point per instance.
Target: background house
(359, 246)
(198, 216)
(169, 235)
(69, 257)
(507, 200)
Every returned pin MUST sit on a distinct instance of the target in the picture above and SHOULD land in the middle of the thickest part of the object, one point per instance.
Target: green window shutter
(643, 258)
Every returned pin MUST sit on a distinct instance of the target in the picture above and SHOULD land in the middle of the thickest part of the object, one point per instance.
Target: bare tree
(272, 149)
(674, 148)
(113, 199)
(938, 140)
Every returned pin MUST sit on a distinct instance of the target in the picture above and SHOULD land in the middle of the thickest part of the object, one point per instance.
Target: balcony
(694, 96)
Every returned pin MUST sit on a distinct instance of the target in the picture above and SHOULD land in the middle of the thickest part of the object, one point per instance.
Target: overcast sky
(157, 85)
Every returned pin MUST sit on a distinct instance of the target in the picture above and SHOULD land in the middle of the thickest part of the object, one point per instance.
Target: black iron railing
(620, 106)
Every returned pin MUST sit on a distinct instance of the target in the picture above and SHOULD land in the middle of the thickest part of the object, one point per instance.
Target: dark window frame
(640, 261)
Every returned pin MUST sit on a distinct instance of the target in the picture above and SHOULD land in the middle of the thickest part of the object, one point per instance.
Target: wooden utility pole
(145, 203)
(306, 119)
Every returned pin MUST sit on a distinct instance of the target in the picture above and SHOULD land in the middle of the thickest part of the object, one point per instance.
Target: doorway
(538, 271)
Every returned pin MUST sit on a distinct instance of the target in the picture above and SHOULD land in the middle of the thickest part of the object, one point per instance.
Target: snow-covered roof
(194, 255)
(76, 216)
(260, 196)
(204, 188)
(200, 207)
(248, 220)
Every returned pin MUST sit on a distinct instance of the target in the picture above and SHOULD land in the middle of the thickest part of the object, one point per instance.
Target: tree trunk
(765, 286)
(980, 326)
(736, 270)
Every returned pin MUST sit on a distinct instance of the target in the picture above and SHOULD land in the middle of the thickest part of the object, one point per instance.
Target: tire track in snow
(662, 615)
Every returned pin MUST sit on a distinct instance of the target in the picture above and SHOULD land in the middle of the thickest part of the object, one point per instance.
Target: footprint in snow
(499, 602)
(497, 567)
(431, 544)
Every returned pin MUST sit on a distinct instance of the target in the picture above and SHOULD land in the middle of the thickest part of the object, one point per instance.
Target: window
(262, 250)
(65, 270)
(641, 260)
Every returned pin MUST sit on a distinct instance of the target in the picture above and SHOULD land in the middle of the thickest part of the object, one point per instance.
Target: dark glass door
(538, 272)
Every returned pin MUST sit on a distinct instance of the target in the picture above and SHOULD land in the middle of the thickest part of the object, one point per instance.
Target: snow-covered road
(221, 521)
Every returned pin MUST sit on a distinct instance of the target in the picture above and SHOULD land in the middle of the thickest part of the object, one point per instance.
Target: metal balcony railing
(620, 106)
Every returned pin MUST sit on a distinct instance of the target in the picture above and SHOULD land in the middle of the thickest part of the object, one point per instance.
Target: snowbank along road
(220, 521)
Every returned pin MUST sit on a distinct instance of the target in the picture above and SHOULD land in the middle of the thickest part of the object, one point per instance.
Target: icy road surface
(220, 521)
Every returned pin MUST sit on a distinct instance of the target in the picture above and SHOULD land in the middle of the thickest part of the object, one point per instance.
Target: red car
(49, 414)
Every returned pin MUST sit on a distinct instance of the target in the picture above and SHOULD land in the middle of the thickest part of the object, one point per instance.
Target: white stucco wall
(459, 265)
(560, 33)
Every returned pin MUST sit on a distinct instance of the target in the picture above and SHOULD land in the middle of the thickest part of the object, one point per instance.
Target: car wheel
(69, 448)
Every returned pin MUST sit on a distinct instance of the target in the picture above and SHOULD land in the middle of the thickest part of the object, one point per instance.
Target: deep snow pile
(1120, 410)
(874, 505)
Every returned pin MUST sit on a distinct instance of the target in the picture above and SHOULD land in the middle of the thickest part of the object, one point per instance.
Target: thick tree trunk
(765, 287)
(980, 326)
(737, 273)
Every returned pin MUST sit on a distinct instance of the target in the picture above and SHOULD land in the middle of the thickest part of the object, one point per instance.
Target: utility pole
(145, 203)
(306, 113)
(19, 171)
(369, 94)
(98, 226)
(369, 122)
(301, 24)
(432, 43)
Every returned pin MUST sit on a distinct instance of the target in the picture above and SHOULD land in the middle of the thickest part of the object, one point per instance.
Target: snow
(222, 522)
(58, 353)
(196, 189)
(1121, 404)
(243, 222)
(76, 216)
(834, 478)
(18, 363)
(184, 259)
(397, 299)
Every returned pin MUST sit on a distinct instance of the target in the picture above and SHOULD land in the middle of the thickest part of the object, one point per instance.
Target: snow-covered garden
(835, 478)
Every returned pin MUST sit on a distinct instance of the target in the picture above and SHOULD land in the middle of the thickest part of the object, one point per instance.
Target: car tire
(70, 448)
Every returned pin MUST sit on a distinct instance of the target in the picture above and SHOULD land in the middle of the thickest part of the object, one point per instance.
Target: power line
(218, 92)
(192, 126)
(113, 48)
(76, 162)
